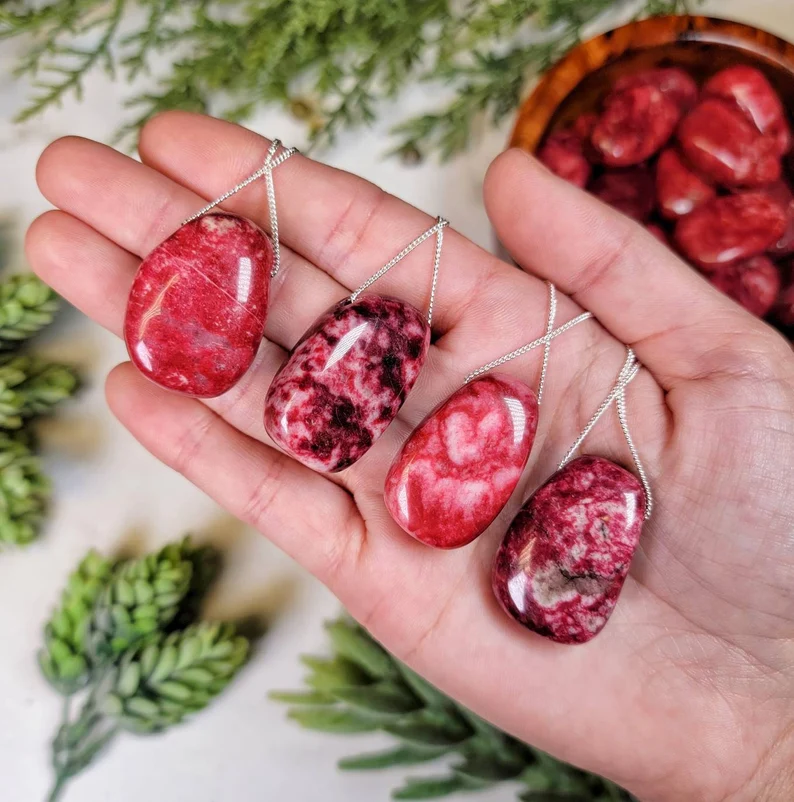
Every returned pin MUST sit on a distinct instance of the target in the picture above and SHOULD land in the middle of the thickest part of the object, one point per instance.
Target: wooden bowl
(701, 45)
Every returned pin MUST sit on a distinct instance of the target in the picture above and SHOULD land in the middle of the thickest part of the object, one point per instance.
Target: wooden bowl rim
(565, 75)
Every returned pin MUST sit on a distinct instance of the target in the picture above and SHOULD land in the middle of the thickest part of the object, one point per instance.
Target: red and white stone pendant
(196, 312)
(345, 381)
(563, 562)
(458, 469)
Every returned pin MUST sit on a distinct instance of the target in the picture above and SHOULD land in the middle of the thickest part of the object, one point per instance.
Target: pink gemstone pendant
(458, 469)
(345, 381)
(196, 312)
(563, 562)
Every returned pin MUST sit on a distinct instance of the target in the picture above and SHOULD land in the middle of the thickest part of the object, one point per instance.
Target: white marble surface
(111, 494)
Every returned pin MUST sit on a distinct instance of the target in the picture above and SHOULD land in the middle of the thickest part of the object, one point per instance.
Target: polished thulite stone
(458, 469)
(196, 312)
(563, 562)
(346, 380)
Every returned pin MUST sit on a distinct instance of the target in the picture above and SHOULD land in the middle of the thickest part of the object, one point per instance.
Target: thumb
(680, 327)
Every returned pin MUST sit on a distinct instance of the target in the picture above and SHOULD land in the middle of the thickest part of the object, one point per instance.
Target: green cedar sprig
(362, 688)
(332, 63)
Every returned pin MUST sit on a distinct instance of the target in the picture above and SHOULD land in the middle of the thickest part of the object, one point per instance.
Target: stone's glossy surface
(460, 466)
(730, 228)
(672, 82)
(723, 145)
(679, 189)
(196, 311)
(750, 90)
(754, 283)
(346, 380)
(634, 125)
(562, 564)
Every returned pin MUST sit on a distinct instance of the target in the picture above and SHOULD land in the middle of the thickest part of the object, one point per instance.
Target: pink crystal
(196, 311)
(562, 564)
(460, 466)
(345, 381)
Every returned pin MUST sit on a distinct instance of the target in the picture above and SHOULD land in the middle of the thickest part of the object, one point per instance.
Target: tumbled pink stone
(562, 564)
(196, 311)
(458, 469)
(345, 381)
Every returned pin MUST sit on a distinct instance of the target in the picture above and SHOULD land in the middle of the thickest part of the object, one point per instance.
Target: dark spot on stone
(391, 373)
(344, 414)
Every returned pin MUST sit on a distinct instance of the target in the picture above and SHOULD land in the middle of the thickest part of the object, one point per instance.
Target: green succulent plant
(64, 659)
(114, 650)
(24, 491)
(27, 305)
(362, 688)
(158, 684)
(141, 598)
(31, 386)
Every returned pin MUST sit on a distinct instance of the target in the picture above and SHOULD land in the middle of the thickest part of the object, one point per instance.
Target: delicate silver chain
(437, 229)
(630, 369)
(624, 424)
(547, 344)
(546, 338)
(436, 264)
(271, 162)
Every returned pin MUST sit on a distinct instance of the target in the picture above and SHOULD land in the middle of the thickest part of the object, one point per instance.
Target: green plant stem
(57, 789)
(78, 742)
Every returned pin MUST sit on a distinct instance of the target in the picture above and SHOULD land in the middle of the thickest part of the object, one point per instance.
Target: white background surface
(111, 494)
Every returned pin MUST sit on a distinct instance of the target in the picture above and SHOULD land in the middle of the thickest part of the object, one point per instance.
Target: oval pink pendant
(196, 311)
(563, 562)
(458, 469)
(345, 381)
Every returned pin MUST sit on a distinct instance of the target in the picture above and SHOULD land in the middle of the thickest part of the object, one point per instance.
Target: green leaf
(128, 680)
(423, 689)
(327, 675)
(429, 788)
(350, 642)
(302, 697)
(382, 697)
(425, 729)
(488, 769)
(335, 720)
(400, 756)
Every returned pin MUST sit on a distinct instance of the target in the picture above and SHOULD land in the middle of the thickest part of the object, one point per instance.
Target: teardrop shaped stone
(196, 311)
(562, 563)
(345, 381)
(458, 469)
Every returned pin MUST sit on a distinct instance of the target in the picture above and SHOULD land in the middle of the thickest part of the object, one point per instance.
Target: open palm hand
(689, 691)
